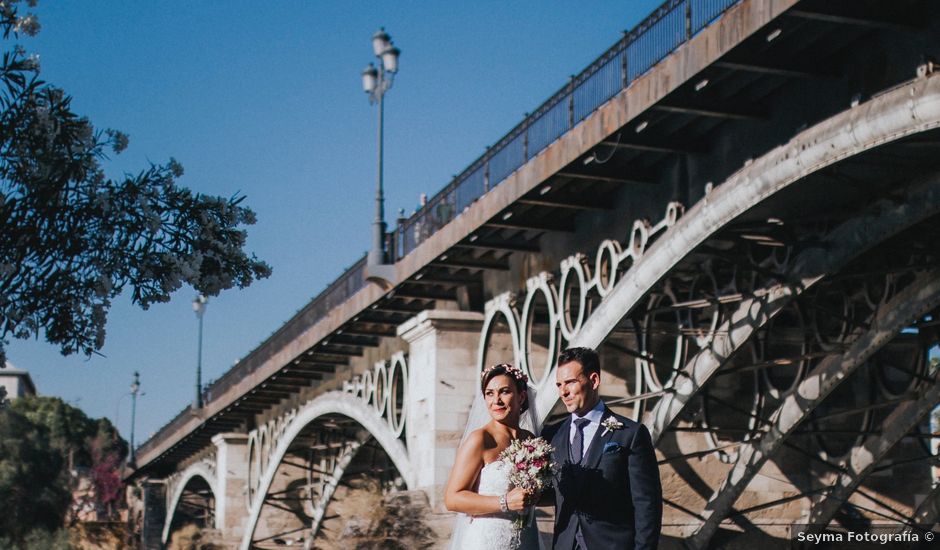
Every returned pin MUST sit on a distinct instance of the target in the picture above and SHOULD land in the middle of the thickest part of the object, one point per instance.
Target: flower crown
(511, 370)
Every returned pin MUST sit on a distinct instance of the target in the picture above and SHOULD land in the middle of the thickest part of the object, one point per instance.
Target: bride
(479, 482)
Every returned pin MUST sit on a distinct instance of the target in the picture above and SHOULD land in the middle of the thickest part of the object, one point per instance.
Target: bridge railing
(667, 28)
(337, 292)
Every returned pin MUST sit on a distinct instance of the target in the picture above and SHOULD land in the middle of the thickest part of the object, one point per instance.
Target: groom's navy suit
(613, 496)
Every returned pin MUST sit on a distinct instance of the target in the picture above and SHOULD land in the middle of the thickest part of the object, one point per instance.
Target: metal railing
(660, 34)
(638, 51)
(344, 287)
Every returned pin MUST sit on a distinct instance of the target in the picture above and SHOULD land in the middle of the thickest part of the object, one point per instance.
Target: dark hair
(588, 358)
(505, 369)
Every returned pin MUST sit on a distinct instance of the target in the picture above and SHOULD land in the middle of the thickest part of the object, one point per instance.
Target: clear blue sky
(264, 99)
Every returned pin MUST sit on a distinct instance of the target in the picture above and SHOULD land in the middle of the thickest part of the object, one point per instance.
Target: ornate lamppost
(135, 389)
(199, 306)
(376, 81)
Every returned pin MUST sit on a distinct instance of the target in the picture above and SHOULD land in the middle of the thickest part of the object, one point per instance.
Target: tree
(69, 430)
(106, 475)
(32, 494)
(71, 239)
(85, 445)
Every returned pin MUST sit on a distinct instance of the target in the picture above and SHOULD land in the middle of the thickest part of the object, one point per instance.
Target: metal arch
(198, 469)
(927, 513)
(865, 458)
(918, 298)
(884, 219)
(731, 335)
(319, 511)
(334, 402)
(909, 109)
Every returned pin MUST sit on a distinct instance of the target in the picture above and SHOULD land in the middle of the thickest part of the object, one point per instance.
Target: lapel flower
(611, 424)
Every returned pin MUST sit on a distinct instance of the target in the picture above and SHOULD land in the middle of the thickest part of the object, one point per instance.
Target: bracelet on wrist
(503, 506)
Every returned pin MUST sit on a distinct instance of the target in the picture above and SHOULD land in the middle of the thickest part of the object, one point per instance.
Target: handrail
(660, 34)
(337, 292)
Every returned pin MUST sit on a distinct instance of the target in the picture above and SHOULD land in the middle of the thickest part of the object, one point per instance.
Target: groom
(608, 493)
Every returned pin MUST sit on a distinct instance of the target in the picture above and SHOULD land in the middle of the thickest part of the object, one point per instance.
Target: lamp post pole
(376, 81)
(199, 306)
(135, 388)
(377, 252)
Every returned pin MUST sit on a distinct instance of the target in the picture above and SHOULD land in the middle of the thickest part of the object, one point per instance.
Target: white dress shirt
(594, 415)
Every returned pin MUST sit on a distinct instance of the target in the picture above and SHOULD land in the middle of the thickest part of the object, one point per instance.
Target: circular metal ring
(608, 254)
(398, 381)
(764, 340)
(368, 386)
(572, 264)
(539, 285)
(757, 402)
(380, 401)
(495, 307)
(639, 237)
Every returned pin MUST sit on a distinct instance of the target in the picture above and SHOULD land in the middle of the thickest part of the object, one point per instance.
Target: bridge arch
(331, 404)
(197, 472)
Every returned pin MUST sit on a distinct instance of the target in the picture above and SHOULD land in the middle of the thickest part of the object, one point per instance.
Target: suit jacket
(614, 495)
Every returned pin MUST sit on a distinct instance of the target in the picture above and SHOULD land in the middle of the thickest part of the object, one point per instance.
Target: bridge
(737, 204)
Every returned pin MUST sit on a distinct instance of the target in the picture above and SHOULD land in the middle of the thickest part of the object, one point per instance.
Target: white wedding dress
(494, 531)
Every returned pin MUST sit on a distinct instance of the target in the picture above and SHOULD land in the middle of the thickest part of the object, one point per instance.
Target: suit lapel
(598, 441)
(561, 442)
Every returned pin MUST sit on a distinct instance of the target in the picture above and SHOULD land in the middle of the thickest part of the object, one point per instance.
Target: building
(15, 382)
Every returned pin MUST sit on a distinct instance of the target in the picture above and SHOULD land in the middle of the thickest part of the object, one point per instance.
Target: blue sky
(264, 99)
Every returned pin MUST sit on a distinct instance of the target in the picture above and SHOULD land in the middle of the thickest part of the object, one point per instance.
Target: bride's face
(502, 398)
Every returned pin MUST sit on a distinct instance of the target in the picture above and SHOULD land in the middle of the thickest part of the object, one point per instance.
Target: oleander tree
(72, 239)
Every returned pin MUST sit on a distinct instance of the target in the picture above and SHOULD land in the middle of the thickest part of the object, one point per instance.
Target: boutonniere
(611, 424)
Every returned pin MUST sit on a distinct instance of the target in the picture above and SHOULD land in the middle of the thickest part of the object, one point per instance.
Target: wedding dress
(496, 531)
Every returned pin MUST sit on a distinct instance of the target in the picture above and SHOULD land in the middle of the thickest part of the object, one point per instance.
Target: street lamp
(376, 81)
(199, 306)
(135, 388)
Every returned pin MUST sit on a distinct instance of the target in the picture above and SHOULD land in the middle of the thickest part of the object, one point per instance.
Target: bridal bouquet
(531, 468)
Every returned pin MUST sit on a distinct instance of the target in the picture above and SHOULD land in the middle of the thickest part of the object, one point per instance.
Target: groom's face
(578, 391)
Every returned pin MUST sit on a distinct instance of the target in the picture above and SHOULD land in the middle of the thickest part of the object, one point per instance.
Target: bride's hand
(517, 499)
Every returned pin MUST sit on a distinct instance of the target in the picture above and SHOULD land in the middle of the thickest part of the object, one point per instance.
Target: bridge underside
(303, 465)
(330, 473)
(194, 512)
(810, 381)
